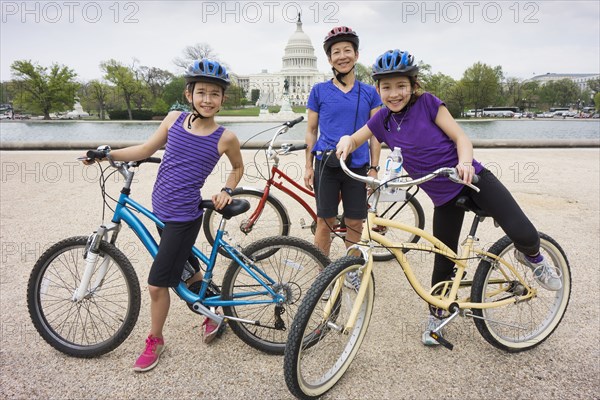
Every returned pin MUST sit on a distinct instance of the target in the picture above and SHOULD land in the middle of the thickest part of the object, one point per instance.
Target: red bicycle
(268, 216)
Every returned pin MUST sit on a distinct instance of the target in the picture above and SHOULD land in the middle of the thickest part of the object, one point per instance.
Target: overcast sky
(524, 37)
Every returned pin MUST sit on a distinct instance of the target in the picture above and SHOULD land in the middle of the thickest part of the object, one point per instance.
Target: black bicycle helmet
(340, 34)
(394, 62)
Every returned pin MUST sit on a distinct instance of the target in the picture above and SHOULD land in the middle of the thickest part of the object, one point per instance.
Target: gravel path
(558, 188)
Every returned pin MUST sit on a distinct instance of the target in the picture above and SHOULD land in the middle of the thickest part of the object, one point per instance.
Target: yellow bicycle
(509, 308)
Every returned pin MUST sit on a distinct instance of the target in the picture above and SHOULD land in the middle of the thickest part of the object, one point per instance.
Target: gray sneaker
(432, 323)
(352, 280)
(546, 275)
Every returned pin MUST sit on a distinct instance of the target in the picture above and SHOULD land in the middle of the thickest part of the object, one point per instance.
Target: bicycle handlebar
(284, 128)
(450, 173)
(289, 124)
(104, 152)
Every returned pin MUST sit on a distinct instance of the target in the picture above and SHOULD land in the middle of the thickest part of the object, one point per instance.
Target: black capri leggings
(496, 200)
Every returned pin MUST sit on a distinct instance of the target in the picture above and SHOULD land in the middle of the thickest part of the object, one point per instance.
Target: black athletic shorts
(329, 182)
(176, 242)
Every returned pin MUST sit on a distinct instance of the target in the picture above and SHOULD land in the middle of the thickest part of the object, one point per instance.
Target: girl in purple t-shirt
(421, 125)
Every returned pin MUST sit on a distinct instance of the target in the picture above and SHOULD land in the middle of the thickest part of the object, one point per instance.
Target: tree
(173, 91)
(483, 85)
(457, 97)
(513, 92)
(197, 52)
(124, 79)
(594, 85)
(156, 79)
(363, 73)
(561, 93)
(597, 101)
(530, 94)
(425, 74)
(96, 97)
(233, 96)
(254, 95)
(439, 85)
(45, 90)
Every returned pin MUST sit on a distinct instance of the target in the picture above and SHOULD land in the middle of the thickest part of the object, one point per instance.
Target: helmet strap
(195, 113)
(341, 75)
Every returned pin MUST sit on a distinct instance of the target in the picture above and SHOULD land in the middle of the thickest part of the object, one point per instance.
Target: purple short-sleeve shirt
(425, 147)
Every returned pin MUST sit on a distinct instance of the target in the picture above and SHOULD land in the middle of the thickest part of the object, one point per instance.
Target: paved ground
(47, 196)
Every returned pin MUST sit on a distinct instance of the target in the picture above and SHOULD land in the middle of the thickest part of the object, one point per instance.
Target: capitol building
(298, 74)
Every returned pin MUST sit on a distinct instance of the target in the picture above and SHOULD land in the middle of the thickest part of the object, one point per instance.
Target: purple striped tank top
(187, 162)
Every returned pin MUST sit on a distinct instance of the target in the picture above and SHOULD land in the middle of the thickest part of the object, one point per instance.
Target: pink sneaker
(149, 358)
(211, 328)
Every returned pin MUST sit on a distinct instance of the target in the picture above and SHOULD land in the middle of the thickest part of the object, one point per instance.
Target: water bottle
(393, 165)
(393, 169)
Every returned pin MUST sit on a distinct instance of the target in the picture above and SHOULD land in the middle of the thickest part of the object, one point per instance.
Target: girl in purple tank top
(420, 124)
(193, 145)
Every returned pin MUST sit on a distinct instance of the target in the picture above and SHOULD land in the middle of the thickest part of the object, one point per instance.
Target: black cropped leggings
(497, 201)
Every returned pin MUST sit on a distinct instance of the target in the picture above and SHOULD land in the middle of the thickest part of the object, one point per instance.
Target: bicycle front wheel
(291, 265)
(319, 350)
(103, 319)
(523, 325)
(271, 221)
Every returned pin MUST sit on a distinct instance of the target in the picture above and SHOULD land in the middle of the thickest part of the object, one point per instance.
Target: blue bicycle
(84, 295)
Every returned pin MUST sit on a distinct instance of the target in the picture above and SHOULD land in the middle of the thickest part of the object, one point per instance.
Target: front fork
(91, 255)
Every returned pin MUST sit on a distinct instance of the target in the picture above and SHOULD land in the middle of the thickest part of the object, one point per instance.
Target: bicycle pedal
(440, 339)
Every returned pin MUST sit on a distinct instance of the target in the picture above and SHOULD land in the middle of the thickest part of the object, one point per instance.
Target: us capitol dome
(299, 74)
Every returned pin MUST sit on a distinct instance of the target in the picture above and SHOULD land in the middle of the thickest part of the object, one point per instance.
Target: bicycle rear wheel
(272, 221)
(318, 352)
(292, 264)
(98, 323)
(523, 325)
(408, 212)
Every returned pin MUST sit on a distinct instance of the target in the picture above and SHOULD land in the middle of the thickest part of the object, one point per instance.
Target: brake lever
(454, 177)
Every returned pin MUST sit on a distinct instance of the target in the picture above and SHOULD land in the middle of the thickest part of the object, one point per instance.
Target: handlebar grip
(475, 178)
(94, 154)
(296, 147)
(153, 160)
(294, 122)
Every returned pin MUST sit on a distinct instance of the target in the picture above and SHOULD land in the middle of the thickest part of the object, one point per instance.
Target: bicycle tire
(531, 322)
(410, 214)
(317, 354)
(273, 220)
(293, 264)
(102, 320)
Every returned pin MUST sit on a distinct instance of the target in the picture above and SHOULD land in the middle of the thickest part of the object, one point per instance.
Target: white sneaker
(352, 281)
(432, 323)
(546, 275)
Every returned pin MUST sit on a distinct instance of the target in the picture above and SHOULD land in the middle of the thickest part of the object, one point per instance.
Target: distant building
(299, 69)
(580, 79)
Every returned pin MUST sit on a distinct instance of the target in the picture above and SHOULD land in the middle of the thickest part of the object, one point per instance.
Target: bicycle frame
(276, 173)
(434, 246)
(124, 212)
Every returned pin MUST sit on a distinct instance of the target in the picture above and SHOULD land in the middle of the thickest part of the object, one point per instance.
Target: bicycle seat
(467, 204)
(237, 206)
